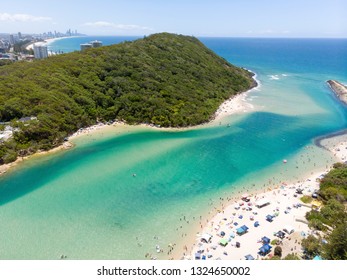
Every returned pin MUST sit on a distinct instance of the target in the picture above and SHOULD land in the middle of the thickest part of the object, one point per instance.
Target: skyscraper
(12, 41)
(40, 52)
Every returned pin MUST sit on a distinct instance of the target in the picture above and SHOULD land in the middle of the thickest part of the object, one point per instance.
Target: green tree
(336, 248)
(312, 246)
(291, 257)
(278, 251)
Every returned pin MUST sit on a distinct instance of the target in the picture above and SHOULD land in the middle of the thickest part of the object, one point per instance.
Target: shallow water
(85, 203)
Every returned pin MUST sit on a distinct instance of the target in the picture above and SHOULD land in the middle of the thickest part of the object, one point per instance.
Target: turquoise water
(85, 203)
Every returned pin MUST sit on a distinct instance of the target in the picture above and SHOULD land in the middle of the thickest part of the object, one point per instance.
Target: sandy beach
(284, 205)
(43, 43)
(5, 167)
(237, 104)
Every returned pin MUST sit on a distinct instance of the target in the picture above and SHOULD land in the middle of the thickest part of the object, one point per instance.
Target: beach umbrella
(256, 224)
(232, 235)
(222, 233)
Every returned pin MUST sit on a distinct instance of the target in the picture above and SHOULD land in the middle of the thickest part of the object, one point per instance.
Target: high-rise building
(85, 46)
(19, 35)
(96, 44)
(40, 52)
(92, 44)
(12, 41)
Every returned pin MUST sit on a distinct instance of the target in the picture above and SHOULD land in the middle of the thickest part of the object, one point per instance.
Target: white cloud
(116, 26)
(22, 18)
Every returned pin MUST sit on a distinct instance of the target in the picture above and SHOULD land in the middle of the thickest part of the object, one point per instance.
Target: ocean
(86, 203)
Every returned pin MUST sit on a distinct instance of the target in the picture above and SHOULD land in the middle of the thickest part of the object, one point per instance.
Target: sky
(212, 18)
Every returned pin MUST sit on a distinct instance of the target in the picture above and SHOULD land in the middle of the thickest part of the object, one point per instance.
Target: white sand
(43, 43)
(237, 103)
(281, 198)
(338, 146)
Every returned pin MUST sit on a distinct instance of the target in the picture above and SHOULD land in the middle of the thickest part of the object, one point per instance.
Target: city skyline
(222, 18)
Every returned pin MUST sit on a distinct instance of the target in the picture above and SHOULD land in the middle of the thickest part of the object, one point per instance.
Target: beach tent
(256, 224)
(280, 234)
(249, 258)
(242, 230)
(223, 242)
(232, 235)
(206, 237)
(264, 249)
(262, 202)
(197, 256)
(317, 258)
(265, 240)
(269, 218)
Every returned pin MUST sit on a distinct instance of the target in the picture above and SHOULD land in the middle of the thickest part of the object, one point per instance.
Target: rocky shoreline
(339, 89)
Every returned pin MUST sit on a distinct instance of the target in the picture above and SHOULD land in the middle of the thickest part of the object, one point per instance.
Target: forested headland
(163, 79)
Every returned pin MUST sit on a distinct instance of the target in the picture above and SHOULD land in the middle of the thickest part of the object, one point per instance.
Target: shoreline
(47, 41)
(280, 197)
(235, 104)
(41, 43)
(339, 89)
(4, 168)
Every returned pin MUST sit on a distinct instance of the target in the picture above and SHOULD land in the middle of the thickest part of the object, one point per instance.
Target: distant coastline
(47, 42)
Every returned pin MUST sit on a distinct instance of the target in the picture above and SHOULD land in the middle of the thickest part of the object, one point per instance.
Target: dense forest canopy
(331, 220)
(163, 79)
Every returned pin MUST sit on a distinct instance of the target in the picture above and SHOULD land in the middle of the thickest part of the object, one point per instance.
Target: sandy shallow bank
(234, 105)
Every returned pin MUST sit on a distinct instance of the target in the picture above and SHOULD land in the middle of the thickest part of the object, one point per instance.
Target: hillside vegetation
(164, 79)
(331, 220)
